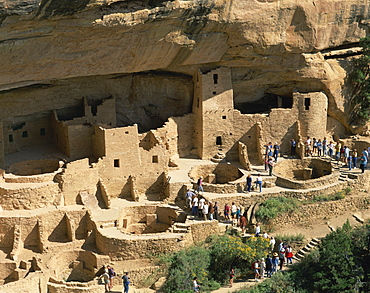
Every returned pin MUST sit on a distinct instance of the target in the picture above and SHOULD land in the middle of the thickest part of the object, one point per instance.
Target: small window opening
(215, 78)
(307, 103)
(126, 132)
(116, 163)
(198, 102)
(94, 109)
(155, 159)
(10, 137)
(214, 93)
(223, 117)
(218, 140)
(25, 134)
(42, 131)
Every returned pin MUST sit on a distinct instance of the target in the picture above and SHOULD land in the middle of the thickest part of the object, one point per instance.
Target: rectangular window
(307, 103)
(10, 137)
(155, 159)
(24, 134)
(223, 117)
(116, 163)
(42, 131)
(218, 140)
(215, 78)
(214, 93)
(126, 132)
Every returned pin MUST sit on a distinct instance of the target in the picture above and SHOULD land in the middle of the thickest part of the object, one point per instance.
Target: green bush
(184, 266)
(276, 206)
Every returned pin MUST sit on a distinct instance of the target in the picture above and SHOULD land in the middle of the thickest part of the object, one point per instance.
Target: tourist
(281, 257)
(366, 154)
(231, 276)
(189, 197)
(293, 148)
(319, 148)
(200, 185)
(331, 149)
(257, 230)
(243, 223)
(363, 162)
(272, 243)
(105, 279)
(227, 212)
(308, 146)
(238, 213)
(196, 286)
(249, 183)
(211, 210)
(325, 147)
(111, 274)
(194, 209)
(289, 255)
(215, 209)
(276, 151)
(275, 262)
(354, 158)
(346, 152)
(262, 268)
(314, 147)
(266, 163)
(268, 149)
(256, 271)
(337, 151)
(349, 160)
(268, 266)
(205, 210)
(259, 182)
(126, 282)
(201, 206)
(233, 210)
(265, 235)
(271, 165)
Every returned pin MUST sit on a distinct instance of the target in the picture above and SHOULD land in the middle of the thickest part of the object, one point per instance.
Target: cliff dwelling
(110, 112)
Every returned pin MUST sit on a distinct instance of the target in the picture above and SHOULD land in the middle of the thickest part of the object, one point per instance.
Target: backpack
(253, 265)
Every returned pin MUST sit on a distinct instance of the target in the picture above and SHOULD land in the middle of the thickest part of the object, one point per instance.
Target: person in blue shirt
(126, 282)
(363, 162)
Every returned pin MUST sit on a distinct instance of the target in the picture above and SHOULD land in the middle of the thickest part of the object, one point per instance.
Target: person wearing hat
(275, 262)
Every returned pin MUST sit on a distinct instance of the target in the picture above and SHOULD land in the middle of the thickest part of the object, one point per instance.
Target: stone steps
(306, 249)
(179, 228)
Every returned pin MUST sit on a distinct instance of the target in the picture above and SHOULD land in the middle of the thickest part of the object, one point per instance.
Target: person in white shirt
(258, 230)
(205, 210)
(272, 243)
(259, 182)
(201, 205)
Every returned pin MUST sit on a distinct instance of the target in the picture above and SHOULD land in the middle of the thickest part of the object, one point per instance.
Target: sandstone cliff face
(56, 48)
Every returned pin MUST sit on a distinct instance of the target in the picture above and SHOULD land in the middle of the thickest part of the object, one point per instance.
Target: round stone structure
(35, 167)
(217, 178)
(304, 174)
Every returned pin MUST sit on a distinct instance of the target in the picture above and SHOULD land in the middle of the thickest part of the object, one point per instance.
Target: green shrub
(276, 206)
(184, 266)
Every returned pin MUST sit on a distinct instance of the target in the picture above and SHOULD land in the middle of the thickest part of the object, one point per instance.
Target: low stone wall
(75, 287)
(33, 283)
(201, 231)
(34, 167)
(322, 210)
(306, 184)
(220, 173)
(31, 197)
(49, 177)
(120, 246)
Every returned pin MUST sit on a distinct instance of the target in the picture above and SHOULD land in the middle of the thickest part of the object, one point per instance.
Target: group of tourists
(274, 261)
(200, 207)
(108, 276)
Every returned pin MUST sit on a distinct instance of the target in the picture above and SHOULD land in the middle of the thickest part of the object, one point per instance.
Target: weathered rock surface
(273, 48)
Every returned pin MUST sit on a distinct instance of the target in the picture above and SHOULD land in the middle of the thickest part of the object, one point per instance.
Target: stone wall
(34, 167)
(323, 210)
(34, 283)
(32, 196)
(70, 180)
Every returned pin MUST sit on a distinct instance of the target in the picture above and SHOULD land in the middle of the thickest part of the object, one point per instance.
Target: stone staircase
(308, 248)
(218, 158)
